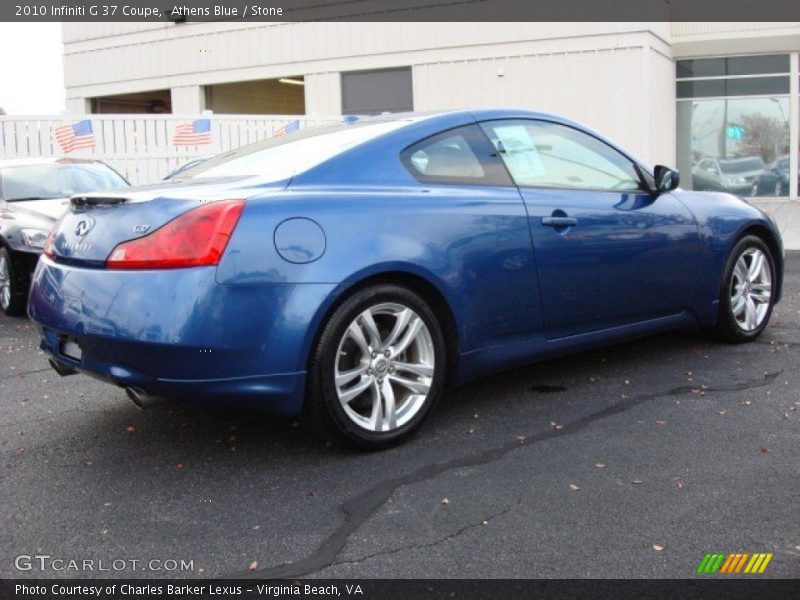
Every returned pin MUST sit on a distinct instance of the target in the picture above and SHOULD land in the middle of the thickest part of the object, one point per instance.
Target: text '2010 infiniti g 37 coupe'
(351, 272)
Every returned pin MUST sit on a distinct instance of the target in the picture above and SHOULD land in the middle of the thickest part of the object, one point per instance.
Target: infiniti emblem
(83, 227)
(380, 366)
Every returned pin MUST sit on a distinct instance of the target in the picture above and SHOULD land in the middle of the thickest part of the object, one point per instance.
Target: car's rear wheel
(13, 285)
(747, 293)
(377, 369)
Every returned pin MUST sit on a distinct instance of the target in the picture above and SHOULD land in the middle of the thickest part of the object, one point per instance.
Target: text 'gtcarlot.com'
(45, 562)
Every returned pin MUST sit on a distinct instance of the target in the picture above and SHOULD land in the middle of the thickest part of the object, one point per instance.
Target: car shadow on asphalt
(524, 399)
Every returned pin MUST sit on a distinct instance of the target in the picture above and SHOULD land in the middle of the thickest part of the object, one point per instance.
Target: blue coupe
(351, 272)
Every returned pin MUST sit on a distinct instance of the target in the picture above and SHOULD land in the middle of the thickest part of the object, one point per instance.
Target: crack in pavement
(436, 542)
(361, 507)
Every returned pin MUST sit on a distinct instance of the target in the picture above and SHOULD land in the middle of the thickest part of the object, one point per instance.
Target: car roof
(470, 114)
(47, 160)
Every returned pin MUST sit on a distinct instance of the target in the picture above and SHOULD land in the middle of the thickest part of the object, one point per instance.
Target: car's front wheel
(377, 370)
(747, 293)
(13, 285)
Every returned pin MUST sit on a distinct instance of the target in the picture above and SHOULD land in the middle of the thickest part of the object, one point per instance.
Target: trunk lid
(96, 223)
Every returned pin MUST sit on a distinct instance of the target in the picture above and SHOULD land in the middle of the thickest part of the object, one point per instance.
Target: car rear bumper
(178, 333)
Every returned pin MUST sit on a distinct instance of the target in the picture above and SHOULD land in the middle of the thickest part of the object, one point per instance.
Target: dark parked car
(774, 180)
(351, 272)
(734, 175)
(34, 192)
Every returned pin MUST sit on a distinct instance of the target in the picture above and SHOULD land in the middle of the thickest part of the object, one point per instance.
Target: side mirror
(665, 178)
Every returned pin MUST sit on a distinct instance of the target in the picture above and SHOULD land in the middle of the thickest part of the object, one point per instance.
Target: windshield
(41, 182)
(741, 165)
(279, 158)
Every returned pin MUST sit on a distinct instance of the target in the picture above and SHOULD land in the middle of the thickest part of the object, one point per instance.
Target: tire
(746, 297)
(14, 281)
(347, 398)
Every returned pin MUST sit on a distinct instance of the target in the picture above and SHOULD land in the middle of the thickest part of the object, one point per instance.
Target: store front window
(734, 119)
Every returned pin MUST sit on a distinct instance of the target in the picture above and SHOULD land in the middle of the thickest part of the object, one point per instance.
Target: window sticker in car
(519, 151)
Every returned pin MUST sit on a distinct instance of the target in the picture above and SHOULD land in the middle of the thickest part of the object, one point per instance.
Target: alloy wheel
(751, 289)
(384, 367)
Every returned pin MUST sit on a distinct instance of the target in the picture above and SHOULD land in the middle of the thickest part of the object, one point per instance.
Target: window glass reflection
(737, 145)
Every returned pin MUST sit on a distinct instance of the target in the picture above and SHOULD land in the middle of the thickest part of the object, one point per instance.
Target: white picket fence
(140, 146)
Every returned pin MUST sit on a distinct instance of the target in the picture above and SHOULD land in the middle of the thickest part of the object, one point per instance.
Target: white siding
(711, 38)
(600, 86)
(546, 66)
(616, 77)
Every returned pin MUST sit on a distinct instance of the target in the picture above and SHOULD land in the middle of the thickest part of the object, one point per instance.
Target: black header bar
(188, 11)
(711, 588)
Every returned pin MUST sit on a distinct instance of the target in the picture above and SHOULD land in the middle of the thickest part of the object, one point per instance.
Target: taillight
(49, 249)
(196, 238)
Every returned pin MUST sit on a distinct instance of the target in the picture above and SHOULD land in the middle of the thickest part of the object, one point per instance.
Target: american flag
(288, 128)
(192, 133)
(75, 136)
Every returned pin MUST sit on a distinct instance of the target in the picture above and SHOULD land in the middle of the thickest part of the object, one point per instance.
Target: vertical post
(188, 99)
(794, 123)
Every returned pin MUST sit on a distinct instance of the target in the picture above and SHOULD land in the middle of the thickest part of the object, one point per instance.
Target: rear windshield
(42, 182)
(741, 165)
(278, 158)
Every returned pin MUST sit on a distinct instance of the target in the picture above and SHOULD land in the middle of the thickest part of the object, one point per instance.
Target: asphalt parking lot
(632, 461)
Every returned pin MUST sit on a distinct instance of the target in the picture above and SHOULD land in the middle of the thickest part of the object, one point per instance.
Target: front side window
(545, 154)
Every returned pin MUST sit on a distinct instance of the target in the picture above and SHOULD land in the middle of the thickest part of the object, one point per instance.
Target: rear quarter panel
(471, 243)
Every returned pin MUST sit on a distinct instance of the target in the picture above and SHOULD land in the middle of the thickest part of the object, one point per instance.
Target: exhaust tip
(142, 399)
(62, 370)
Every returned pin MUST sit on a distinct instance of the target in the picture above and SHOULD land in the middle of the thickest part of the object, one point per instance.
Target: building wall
(616, 77)
(544, 66)
(708, 39)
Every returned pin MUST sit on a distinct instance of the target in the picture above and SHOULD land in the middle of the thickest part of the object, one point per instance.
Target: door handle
(559, 221)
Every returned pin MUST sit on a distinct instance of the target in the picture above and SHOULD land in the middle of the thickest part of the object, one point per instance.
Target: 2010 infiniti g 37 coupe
(350, 272)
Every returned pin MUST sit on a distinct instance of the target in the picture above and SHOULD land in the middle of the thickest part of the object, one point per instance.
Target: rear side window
(457, 156)
(545, 154)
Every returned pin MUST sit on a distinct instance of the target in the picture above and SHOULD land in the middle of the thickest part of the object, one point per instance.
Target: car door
(476, 227)
(608, 251)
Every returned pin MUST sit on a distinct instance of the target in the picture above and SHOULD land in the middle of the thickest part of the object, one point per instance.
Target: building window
(284, 96)
(733, 120)
(376, 92)
(153, 102)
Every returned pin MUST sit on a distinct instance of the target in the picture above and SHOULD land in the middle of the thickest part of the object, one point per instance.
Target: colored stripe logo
(734, 562)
